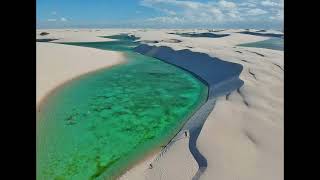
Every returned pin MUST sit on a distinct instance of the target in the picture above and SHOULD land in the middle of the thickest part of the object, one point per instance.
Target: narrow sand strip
(58, 63)
(78, 35)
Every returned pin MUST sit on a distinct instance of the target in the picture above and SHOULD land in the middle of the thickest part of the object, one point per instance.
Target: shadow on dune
(45, 40)
(220, 76)
(194, 125)
(262, 30)
(218, 30)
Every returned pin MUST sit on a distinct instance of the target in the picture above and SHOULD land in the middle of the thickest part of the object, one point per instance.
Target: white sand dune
(58, 63)
(79, 35)
(246, 141)
(243, 136)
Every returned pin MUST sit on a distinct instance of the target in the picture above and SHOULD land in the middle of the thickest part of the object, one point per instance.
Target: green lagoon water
(98, 125)
(272, 43)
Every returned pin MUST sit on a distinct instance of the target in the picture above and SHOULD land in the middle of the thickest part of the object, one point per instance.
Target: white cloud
(248, 4)
(193, 12)
(189, 4)
(278, 16)
(256, 12)
(216, 14)
(169, 20)
(234, 15)
(269, 3)
(227, 5)
(169, 12)
(159, 5)
(63, 19)
(51, 20)
(212, 12)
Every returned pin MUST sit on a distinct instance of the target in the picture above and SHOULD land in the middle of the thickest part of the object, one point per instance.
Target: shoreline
(59, 81)
(45, 97)
(152, 154)
(139, 165)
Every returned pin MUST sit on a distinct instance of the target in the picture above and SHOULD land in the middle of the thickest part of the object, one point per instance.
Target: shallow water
(258, 33)
(272, 43)
(208, 35)
(99, 124)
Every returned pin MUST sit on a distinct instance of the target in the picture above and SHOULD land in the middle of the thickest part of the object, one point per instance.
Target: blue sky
(264, 14)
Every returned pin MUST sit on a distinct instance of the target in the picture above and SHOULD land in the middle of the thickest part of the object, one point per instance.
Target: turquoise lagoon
(99, 124)
(272, 43)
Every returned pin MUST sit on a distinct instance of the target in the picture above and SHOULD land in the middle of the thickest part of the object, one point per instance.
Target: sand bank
(58, 63)
(79, 35)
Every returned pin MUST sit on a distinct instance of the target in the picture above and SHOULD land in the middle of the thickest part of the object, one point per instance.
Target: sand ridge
(243, 136)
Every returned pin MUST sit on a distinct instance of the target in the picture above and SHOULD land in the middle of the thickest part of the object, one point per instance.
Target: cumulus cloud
(63, 19)
(169, 12)
(218, 11)
(270, 3)
(256, 12)
(248, 4)
(168, 20)
(191, 11)
(227, 5)
(51, 20)
(278, 16)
